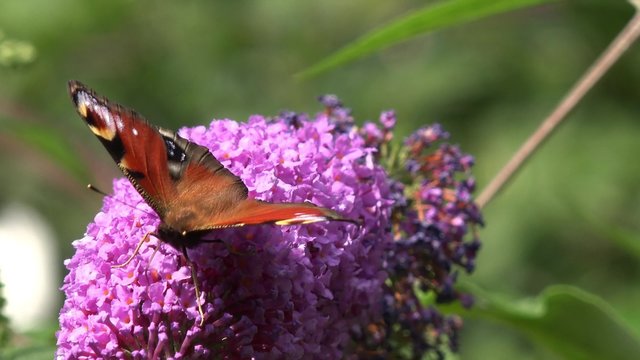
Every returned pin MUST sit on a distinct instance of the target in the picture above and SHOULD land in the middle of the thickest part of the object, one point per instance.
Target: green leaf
(37, 352)
(36, 344)
(430, 18)
(627, 239)
(569, 321)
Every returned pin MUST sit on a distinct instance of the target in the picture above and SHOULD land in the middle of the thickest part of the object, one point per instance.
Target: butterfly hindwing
(253, 212)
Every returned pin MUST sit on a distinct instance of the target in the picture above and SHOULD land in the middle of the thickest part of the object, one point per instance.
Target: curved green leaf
(569, 321)
(430, 18)
(625, 238)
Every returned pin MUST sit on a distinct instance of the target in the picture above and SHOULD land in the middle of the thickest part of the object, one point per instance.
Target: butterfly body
(189, 189)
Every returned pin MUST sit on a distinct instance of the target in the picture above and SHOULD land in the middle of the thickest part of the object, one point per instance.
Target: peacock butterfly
(189, 189)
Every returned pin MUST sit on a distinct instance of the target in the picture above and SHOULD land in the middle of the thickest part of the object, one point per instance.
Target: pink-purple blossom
(266, 290)
(324, 290)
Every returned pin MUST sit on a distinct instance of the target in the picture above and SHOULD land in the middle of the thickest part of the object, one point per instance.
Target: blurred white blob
(27, 267)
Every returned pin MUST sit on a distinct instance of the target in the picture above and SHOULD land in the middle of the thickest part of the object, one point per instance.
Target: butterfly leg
(135, 252)
(153, 255)
(195, 283)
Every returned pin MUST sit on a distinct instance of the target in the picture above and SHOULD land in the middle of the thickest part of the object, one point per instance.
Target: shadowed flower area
(267, 290)
(324, 290)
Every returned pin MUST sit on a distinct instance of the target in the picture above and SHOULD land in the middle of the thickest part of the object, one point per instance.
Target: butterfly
(189, 189)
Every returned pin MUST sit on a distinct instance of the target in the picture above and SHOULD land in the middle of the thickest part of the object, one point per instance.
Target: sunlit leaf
(569, 321)
(428, 19)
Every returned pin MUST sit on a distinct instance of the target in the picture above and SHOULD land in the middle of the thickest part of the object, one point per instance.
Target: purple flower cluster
(266, 291)
(325, 290)
(433, 218)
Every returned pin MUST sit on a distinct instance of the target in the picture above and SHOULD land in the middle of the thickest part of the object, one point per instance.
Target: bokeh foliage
(569, 218)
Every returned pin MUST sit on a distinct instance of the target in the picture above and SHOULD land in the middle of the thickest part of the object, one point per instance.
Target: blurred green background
(571, 217)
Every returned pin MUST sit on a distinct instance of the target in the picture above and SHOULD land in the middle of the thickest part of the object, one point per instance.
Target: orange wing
(134, 144)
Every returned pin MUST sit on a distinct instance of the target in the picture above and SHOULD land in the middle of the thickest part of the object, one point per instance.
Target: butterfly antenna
(95, 189)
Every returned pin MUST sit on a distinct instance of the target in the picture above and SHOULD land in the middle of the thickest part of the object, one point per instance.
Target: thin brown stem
(621, 43)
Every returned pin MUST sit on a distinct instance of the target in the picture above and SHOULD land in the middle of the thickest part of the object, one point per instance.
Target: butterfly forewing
(134, 145)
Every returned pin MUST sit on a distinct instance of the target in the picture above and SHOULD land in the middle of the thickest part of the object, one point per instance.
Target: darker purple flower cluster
(433, 218)
(324, 290)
